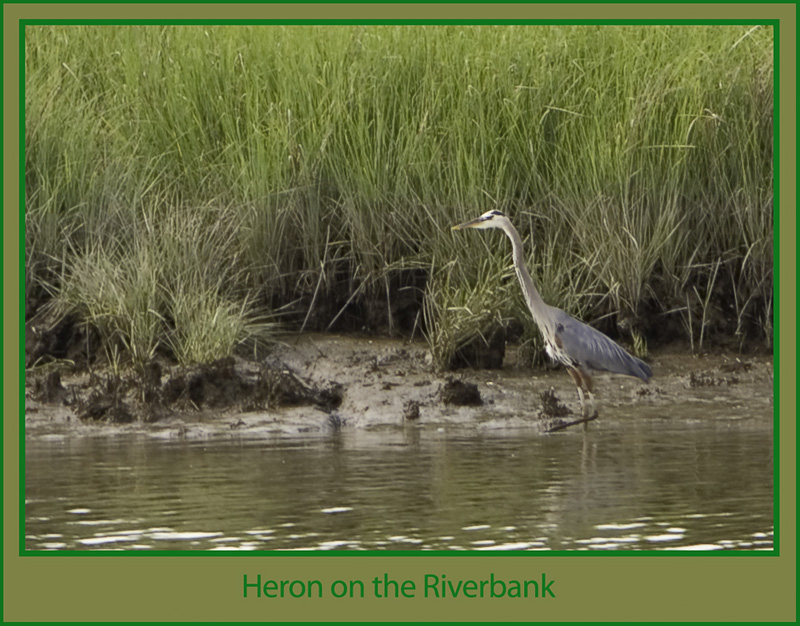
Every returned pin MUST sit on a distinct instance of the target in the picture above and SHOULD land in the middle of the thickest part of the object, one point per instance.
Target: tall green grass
(229, 171)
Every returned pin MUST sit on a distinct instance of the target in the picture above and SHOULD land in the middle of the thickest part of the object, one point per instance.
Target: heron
(583, 350)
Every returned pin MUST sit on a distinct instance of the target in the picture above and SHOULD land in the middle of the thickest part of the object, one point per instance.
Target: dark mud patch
(276, 387)
(48, 388)
(459, 393)
(228, 384)
(149, 395)
(216, 384)
(107, 401)
(100, 398)
(729, 372)
(554, 413)
(411, 410)
(551, 405)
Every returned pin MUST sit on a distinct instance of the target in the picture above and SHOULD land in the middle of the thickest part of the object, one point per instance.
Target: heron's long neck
(537, 306)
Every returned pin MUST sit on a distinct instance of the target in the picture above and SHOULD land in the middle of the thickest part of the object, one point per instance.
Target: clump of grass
(164, 288)
(207, 326)
(117, 293)
(459, 309)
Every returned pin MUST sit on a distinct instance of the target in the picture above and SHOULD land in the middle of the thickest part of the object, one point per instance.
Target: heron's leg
(583, 382)
(583, 402)
(587, 381)
(591, 401)
(576, 377)
(592, 414)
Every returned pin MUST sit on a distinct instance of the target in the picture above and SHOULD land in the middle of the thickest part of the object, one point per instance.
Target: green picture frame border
(227, 587)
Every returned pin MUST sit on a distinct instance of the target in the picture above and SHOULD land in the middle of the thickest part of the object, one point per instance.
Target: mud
(315, 383)
(460, 393)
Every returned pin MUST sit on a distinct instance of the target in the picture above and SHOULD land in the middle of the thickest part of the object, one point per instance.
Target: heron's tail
(641, 369)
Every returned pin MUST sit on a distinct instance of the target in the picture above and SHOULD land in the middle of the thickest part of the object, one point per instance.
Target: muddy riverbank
(314, 383)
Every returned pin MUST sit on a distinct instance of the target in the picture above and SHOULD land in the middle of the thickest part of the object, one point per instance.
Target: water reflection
(650, 486)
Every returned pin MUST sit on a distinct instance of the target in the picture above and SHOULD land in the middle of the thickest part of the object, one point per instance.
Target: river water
(646, 484)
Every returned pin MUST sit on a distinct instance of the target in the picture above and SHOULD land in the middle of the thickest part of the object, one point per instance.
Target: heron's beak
(470, 224)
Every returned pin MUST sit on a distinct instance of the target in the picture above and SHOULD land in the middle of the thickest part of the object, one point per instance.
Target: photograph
(257, 315)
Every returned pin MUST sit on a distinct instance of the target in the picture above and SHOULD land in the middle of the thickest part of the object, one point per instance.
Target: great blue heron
(581, 348)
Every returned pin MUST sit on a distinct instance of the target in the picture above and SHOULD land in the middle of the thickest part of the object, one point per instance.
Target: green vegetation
(186, 186)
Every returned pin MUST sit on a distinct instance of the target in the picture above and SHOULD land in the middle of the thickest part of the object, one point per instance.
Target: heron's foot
(584, 420)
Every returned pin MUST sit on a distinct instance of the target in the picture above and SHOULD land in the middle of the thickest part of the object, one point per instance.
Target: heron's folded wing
(595, 351)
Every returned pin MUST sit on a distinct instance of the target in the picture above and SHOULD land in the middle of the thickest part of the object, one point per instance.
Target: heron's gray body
(582, 349)
(580, 346)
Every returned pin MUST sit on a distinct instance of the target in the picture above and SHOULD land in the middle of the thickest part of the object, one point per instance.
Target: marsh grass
(165, 282)
(459, 308)
(184, 183)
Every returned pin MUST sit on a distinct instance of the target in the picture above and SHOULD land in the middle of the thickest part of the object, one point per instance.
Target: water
(651, 485)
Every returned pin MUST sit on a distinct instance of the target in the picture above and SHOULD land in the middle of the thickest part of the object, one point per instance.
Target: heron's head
(490, 219)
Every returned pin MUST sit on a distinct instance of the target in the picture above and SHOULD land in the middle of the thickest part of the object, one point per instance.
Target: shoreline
(316, 384)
